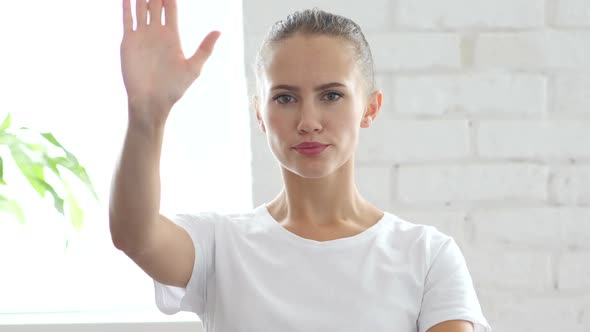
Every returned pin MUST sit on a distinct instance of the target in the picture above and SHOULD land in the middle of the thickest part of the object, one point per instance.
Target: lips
(309, 145)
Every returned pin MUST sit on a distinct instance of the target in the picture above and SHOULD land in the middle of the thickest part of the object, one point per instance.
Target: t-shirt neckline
(336, 243)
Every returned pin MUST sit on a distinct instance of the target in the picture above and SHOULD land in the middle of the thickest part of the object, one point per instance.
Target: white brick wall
(570, 185)
(572, 13)
(260, 14)
(535, 50)
(572, 274)
(470, 93)
(470, 13)
(510, 269)
(414, 140)
(394, 51)
(484, 134)
(538, 140)
(572, 94)
(554, 227)
(535, 311)
(458, 184)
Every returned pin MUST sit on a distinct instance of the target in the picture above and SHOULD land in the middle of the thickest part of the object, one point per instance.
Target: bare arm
(156, 75)
(134, 204)
(162, 249)
(453, 326)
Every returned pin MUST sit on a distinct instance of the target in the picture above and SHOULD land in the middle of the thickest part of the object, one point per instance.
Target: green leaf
(12, 207)
(32, 159)
(71, 162)
(2, 172)
(58, 202)
(51, 164)
(6, 123)
(31, 170)
(49, 137)
(7, 139)
(75, 212)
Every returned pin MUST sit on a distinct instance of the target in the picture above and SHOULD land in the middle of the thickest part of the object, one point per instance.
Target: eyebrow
(317, 88)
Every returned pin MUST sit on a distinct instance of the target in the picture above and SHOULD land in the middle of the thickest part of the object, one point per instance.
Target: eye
(281, 99)
(333, 96)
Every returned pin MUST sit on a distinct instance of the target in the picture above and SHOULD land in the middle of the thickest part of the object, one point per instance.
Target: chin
(309, 172)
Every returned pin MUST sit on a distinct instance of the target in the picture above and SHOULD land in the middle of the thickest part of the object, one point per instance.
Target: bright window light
(60, 73)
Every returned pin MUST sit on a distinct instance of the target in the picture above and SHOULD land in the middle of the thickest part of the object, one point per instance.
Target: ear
(256, 106)
(373, 107)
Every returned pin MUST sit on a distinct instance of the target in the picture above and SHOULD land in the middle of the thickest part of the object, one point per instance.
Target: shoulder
(216, 218)
(424, 242)
(217, 215)
(427, 235)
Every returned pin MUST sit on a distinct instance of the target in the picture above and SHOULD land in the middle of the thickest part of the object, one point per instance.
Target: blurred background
(484, 134)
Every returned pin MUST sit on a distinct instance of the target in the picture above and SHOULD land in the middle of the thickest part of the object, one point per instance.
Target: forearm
(135, 188)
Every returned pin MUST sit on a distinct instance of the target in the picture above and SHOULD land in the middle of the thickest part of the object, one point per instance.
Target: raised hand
(155, 71)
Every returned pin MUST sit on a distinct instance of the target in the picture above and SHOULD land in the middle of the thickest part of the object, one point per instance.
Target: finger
(155, 7)
(141, 13)
(127, 17)
(171, 13)
(204, 51)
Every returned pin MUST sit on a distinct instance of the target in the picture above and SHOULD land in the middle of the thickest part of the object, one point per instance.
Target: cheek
(273, 119)
(276, 122)
(347, 120)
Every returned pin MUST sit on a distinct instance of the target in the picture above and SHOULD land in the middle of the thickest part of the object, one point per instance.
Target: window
(60, 68)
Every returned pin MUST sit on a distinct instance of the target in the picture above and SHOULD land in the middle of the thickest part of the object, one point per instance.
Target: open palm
(155, 71)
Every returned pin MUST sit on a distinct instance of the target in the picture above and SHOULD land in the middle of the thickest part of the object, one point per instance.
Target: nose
(310, 120)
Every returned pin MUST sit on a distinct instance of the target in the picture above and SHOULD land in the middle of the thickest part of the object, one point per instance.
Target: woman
(317, 257)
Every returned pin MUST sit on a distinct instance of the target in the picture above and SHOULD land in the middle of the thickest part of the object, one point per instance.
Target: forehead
(306, 60)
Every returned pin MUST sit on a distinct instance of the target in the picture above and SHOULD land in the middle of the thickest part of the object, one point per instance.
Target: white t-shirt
(252, 274)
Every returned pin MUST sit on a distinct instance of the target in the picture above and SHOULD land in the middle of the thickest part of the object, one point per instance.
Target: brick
(576, 228)
(574, 271)
(555, 228)
(374, 183)
(260, 16)
(394, 140)
(478, 94)
(470, 14)
(541, 140)
(399, 51)
(504, 268)
(527, 312)
(571, 185)
(534, 50)
(572, 94)
(470, 183)
(385, 84)
(584, 318)
(572, 13)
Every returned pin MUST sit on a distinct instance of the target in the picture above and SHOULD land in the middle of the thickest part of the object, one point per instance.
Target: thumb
(197, 61)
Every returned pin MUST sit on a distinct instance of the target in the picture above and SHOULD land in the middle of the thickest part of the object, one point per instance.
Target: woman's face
(311, 91)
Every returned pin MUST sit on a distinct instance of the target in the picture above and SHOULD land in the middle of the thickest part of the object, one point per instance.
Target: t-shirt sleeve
(171, 299)
(449, 293)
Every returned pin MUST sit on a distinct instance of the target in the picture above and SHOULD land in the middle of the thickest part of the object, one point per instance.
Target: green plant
(33, 159)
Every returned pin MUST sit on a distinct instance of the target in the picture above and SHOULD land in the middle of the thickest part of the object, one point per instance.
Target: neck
(327, 202)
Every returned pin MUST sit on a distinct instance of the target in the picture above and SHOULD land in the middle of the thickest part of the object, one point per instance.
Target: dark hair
(318, 22)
